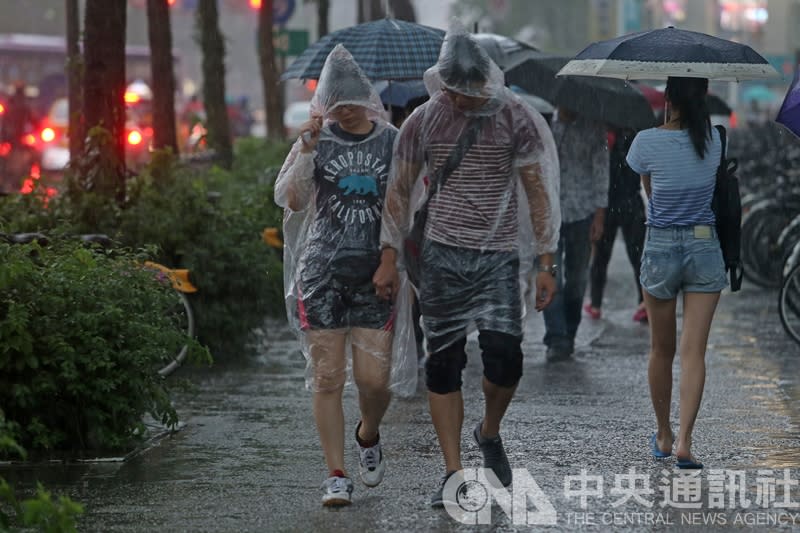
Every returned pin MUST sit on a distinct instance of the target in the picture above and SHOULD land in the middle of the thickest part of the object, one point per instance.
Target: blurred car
(296, 114)
(54, 140)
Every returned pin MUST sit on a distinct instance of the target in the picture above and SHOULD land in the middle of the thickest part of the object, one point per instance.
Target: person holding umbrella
(678, 164)
(333, 186)
(488, 164)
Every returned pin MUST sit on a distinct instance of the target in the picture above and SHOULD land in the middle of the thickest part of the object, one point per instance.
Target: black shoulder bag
(727, 207)
(413, 242)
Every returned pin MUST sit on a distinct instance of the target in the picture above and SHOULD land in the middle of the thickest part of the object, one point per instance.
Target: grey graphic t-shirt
(350, 174)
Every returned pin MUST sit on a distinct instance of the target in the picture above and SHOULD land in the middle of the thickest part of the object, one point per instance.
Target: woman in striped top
(678, 163)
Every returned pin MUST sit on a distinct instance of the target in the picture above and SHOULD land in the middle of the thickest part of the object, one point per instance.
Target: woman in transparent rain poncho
(499, 202)
(332, 187)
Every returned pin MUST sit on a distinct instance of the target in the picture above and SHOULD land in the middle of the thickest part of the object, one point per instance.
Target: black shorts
(332, 301)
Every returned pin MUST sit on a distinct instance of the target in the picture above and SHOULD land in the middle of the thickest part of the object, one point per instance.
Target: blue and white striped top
(681, 183)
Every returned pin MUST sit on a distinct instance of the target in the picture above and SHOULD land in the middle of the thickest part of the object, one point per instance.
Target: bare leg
(372, 352)
(698, 311)
(447, 413)
(327, 349)
(497, 400)
(659, 372)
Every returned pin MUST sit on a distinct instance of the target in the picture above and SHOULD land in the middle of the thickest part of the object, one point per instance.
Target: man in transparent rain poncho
(501, 200)
(332, 187)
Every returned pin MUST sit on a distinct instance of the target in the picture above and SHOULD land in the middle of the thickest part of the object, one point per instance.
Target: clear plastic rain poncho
(494, 213)
(332, 198)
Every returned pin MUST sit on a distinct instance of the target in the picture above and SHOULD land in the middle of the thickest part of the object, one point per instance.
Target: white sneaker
(371, 464)
(336, 491)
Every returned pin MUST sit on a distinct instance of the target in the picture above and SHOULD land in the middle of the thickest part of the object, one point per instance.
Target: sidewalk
(248, 458)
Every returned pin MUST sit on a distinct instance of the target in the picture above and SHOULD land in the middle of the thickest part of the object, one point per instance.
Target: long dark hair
(688, 95)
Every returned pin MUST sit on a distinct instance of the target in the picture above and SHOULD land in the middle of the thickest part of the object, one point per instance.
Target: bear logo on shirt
(361, 185)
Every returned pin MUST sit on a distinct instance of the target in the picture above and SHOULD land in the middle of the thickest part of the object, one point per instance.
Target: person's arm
(545, 213)
(294, 185)
(646, 184)
(395, 222)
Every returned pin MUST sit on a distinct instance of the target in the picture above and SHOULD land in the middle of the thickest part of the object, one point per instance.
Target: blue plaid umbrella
(658, 54)
(386, 49)
(789, 115)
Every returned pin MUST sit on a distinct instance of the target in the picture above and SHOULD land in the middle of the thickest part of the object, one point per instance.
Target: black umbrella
(658, 54)
(505, 51)
(717, 106)
(607, 100)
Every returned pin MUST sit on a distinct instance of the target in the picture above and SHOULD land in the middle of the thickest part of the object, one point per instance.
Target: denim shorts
(682, 258)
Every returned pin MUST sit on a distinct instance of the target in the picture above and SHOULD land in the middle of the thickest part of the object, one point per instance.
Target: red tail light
(2, 109)
(48, 135)
(134, 138)
(29, 140)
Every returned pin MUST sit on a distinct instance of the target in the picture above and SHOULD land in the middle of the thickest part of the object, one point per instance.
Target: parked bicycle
(177, 278)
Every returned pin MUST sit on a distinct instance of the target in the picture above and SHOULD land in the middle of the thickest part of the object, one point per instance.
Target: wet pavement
(247, 457)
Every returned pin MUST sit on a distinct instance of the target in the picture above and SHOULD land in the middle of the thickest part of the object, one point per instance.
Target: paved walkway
(248, 457)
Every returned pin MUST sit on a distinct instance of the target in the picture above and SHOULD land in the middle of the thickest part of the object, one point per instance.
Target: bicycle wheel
(789, 304)
(761, 227)
(185, 317)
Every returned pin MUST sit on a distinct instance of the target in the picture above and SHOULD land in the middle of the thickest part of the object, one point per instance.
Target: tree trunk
(74, 79)
(163, 76)
(323, 9)
(273, 102)
(213, 48)
(103, 90)
(369, 10)
(403, 10)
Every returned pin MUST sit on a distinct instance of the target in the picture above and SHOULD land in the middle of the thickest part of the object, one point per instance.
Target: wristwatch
(552, 269)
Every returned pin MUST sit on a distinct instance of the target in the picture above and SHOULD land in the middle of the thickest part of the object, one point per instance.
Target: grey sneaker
(437, 500)
(336, 491)
(494, 455)
(371, 464)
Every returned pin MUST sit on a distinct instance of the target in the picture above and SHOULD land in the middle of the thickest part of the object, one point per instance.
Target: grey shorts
(682, 258)
(460, 286)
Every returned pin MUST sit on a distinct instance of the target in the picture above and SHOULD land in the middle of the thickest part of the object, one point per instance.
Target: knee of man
(502, 358)
(443, 373)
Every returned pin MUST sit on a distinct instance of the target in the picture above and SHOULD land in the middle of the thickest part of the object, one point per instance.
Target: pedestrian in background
(626, 212)
(333, 185)
(678, 163)
(583, 160)
(500, 163)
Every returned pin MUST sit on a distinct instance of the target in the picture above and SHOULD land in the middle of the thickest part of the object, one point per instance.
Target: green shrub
(40, 511)
(82, 333)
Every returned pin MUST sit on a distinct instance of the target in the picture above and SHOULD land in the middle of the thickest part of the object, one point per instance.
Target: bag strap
(723, 137)
(452, 162)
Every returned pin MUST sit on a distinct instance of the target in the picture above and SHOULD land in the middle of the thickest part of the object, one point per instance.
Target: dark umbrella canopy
(386, 49)
(607, 100)
(400, 93)
(658, 54)
(505, 51)
(716, 105)
(789, 115)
